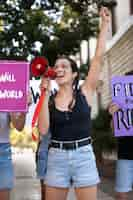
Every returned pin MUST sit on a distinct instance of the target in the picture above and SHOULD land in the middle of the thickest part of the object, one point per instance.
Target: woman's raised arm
(95, 66)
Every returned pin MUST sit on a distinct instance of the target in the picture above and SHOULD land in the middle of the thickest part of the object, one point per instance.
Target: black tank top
(71, 125)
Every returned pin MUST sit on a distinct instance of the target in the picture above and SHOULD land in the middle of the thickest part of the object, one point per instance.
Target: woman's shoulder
(80, 91)
(84, 96)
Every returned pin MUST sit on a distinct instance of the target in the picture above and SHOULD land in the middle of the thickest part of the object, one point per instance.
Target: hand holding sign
(112, 108)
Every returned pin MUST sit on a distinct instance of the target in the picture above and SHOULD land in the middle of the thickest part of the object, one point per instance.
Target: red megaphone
(39, 67)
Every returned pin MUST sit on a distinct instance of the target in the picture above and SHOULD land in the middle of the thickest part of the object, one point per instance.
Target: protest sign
(14, 83)
(122, 94)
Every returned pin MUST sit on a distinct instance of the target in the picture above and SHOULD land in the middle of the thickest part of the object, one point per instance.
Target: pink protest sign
(14, 83)
(122, 94)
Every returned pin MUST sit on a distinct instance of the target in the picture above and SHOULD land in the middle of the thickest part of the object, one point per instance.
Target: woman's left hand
(113, 107)
(105, 15)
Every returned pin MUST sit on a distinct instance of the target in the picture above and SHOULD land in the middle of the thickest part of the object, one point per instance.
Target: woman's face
(64, 71)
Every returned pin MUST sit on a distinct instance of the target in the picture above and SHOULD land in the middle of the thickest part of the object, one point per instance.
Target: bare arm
(112, 124)
(112, 108)
(43, 119)
(95, 67)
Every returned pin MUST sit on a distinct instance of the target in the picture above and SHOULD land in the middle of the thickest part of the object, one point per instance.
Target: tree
(87, 22)
(29, 21)
(22, 29)
(86, 25)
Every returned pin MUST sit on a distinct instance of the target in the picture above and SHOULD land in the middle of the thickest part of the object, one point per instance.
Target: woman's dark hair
(76, 80)
(129, 73)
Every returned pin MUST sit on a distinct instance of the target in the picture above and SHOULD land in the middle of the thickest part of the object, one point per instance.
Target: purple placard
(14, 84)
(122, 94)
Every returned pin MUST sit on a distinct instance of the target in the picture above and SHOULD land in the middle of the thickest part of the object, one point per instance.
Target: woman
(6, 167)
(70, 158)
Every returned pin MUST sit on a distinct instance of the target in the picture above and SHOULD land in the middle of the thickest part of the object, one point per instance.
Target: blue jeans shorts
(71, 167)
(42, 156)
(6, 167)
(124, 176)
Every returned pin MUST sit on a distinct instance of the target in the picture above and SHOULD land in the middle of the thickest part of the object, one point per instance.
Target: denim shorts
(71, 167)
(42, 156)
(124, 176)
(6, 167)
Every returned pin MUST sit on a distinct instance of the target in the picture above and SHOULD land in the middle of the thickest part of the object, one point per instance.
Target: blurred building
(119, 55)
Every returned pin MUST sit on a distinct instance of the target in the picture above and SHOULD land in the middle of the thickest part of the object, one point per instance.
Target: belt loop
(61, 145)
(76, 144)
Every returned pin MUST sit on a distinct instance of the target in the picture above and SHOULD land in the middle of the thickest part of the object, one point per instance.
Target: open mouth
(60, 76)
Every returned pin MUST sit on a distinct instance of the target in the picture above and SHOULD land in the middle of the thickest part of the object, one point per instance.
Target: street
(26, 184)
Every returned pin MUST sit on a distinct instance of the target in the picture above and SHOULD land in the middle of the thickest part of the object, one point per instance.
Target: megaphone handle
(36, 113)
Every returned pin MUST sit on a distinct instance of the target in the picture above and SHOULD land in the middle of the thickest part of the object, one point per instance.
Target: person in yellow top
(6, 166)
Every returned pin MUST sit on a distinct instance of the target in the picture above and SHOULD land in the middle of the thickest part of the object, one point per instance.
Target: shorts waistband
(71, 145)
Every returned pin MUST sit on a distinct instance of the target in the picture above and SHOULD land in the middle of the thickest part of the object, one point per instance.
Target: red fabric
(36, 113)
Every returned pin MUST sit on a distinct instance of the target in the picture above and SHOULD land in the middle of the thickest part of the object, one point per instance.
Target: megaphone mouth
(39, 66)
